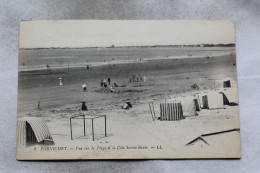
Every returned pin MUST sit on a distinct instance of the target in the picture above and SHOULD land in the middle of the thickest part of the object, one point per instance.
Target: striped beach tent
(171, 111)
(31, 130)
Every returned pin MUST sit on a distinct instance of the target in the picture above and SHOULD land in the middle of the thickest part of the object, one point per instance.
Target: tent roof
(38, 125)
(188, 105)
(216, 138)
(215, 100)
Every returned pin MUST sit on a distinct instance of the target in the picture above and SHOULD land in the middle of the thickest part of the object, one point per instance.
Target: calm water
(63, 57)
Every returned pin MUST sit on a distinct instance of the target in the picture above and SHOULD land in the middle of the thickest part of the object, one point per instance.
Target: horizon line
(113, 46)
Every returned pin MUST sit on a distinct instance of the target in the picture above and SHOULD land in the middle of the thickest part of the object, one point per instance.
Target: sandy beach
(167, 77)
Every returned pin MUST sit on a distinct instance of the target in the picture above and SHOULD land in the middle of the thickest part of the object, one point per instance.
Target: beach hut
(214, 139)
(230, 96)
(212, 100)
(171, 111)
(227, 84)
(189, 105)
(32, 130)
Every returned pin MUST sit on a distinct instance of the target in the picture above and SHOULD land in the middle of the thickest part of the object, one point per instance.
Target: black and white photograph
(127, 89)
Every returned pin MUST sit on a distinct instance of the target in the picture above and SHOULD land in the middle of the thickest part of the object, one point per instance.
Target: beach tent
(31, 130)
(190, 105)
(216, 138)
(212, 100)
(227, 84)
(171, 111)
(230, 96)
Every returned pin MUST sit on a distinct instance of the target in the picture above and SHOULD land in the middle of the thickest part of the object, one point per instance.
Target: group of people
(104, 83)
(137, 78)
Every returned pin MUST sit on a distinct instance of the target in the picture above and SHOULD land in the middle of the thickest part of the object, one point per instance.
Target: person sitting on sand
(127, 105)
(111, 89)
(84, 107)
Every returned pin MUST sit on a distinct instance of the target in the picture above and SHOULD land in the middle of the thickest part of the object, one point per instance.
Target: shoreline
(114, 62)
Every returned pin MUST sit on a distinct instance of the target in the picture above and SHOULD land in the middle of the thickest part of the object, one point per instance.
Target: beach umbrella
(84, 86)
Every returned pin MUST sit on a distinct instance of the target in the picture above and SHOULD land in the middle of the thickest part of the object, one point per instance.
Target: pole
(105, 126)
(39, 106)
(84, 125)
(153, 111)
(71, 130)
(93, 129)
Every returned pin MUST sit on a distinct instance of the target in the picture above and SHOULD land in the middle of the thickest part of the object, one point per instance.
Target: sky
(104, 33)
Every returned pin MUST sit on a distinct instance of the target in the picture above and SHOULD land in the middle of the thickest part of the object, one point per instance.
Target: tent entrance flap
(205, 104)
(197, 104)
(227, 84)
(30, 136)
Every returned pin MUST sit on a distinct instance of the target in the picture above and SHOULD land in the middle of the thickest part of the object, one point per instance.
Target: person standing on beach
(144, 78)
(108, 80)
(104, 83)
(101, 82)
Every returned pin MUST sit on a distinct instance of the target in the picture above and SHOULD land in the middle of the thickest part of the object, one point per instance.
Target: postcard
(127, 89)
